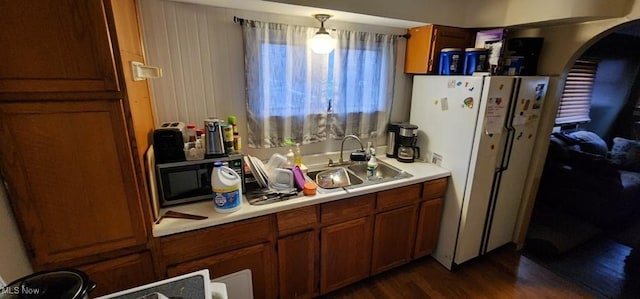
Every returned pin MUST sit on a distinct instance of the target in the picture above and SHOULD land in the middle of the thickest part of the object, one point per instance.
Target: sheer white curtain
(293, 93)
(364, 71)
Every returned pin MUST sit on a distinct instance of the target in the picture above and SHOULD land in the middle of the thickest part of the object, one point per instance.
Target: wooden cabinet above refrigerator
(425, 43)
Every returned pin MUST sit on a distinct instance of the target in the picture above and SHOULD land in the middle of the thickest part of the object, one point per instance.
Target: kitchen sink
(357, 174)
(332, 179)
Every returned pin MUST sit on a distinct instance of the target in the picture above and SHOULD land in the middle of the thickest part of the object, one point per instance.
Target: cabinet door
(418, 49)
(257, 258)
(425, 43)
(130, 49)
(296, 265)
(345, 253)
(55, 46)
(393, 238)
(70, 178)
(428, 227)
(121, 273)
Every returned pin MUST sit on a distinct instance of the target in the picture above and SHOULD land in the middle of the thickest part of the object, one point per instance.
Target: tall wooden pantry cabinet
(74, 128)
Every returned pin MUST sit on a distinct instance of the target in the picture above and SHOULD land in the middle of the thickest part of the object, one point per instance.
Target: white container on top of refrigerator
(482, 129)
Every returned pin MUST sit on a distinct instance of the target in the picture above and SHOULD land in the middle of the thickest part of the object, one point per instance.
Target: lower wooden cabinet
(297, 265)
(393, 238)
(120, 273)
(313, 250)
(257, 258)
(345, 253)
(428, 227)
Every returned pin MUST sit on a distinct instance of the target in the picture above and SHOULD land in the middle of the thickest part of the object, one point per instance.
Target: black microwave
(190, 181)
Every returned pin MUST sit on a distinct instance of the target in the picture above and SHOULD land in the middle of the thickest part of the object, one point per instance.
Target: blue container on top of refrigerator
(451, 61)
(475, 60)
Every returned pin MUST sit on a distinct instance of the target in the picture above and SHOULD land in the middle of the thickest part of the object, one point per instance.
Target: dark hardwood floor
(503, 273)
(605, 268)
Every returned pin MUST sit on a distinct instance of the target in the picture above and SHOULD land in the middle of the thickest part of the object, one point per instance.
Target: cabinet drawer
(346, 209)
(398, 197)
(435, 189)
(297, 219)
(191, 245)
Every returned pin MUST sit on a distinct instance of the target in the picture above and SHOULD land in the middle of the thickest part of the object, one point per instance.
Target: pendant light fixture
(322, 42)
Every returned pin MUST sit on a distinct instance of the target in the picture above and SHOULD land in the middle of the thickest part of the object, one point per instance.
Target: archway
(622, 70)
(561, 64)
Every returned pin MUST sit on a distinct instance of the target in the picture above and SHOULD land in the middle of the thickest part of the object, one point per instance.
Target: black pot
(58, 284)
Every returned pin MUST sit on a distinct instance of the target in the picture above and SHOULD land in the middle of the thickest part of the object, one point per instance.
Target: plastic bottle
(372, 164)
(297, 156)
(191, 132)
(237, 143)
(227, 189)
(290, 158)
(232, 121)
(227, 135)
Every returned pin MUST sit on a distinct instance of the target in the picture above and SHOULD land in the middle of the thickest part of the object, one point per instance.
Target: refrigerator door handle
(511, 133)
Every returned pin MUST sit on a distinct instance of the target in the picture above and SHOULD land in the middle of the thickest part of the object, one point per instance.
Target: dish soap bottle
(297, 156)
(372, 164)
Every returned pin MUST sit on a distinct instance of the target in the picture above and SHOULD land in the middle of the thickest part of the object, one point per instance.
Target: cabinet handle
(141, 72)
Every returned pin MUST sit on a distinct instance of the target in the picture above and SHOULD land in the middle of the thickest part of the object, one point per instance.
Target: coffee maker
(393, 139)
(407, 150)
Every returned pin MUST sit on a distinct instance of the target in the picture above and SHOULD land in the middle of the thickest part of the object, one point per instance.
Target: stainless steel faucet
(341, 161)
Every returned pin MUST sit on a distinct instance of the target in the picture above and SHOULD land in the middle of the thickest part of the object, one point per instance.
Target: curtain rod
(240, 21)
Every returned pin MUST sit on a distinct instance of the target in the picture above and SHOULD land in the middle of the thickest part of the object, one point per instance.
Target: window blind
(576, 96)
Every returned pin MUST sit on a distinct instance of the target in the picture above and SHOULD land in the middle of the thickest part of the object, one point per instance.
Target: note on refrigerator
(496, 111)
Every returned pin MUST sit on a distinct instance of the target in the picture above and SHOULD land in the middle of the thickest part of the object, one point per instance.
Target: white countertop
(420, 171)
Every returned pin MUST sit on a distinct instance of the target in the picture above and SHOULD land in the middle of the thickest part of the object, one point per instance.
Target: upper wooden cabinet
(55, 46)
(71, 178)
(71, 162)
(425, 43)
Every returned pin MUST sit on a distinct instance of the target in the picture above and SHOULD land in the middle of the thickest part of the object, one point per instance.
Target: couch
(587, 179)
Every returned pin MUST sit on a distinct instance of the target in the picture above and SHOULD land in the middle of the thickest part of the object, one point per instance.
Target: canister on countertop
(475, 60)
(451, 61)
(213, 137)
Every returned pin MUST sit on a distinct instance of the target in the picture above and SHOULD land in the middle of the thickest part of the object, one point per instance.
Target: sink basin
(383, 171)
(336, 177)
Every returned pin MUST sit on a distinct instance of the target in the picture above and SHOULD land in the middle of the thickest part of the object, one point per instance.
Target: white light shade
(322, 43)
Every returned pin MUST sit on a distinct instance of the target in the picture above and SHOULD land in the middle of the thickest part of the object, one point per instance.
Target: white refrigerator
(482, 128)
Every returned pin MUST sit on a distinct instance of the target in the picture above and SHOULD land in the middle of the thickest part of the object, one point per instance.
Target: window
(576, 96)
(293, 93)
